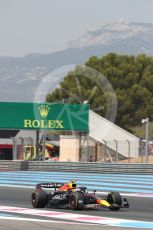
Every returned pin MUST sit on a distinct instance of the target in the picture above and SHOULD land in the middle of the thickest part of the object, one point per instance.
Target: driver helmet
(72, 184)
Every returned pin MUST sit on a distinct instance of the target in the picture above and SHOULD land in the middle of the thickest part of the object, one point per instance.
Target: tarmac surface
(140, 210)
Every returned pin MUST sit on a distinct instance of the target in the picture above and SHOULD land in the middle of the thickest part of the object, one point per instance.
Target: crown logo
(44, 110)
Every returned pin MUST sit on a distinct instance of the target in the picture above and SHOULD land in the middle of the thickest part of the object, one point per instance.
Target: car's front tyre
(115, 200)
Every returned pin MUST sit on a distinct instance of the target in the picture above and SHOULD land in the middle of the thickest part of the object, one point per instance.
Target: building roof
(8, 133)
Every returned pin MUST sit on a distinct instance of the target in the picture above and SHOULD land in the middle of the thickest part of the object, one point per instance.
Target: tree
(131, 78)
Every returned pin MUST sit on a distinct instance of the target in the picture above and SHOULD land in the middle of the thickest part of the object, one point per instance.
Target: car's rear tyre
(39, 199)
(114, 198)
(76, 201)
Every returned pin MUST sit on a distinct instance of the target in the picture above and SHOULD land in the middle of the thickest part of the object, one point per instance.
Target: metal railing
(91, 151)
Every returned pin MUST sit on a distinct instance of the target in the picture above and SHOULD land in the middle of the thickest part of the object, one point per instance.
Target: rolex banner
(17, 115)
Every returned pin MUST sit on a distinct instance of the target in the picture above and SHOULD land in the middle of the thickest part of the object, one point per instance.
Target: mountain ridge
(20, 76)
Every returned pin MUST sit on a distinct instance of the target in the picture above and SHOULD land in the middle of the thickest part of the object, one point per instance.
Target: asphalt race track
(141, 209)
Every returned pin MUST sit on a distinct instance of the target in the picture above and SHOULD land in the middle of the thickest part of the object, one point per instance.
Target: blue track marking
(102, 178)
(88, 177)
(79, 175)
(135, 224)
(5, 214)
(100, 182)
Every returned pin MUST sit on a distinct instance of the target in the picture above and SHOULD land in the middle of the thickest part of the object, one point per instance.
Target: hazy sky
(43, 26)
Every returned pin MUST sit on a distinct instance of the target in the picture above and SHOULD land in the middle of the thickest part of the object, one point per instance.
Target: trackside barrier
(75, 167)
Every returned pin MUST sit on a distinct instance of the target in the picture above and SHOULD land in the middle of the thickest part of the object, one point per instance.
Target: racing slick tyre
(39, 199)
(115, 199)
(76, 201)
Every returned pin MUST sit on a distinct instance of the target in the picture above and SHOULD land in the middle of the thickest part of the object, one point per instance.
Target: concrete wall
(69, 148)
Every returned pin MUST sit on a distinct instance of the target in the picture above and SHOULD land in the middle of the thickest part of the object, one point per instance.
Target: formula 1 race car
(60, 195)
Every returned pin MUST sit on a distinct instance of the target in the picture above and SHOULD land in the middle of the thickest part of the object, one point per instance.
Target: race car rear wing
(49, 185)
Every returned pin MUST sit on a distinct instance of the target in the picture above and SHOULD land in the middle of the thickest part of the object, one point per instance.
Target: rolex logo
(44, 110)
